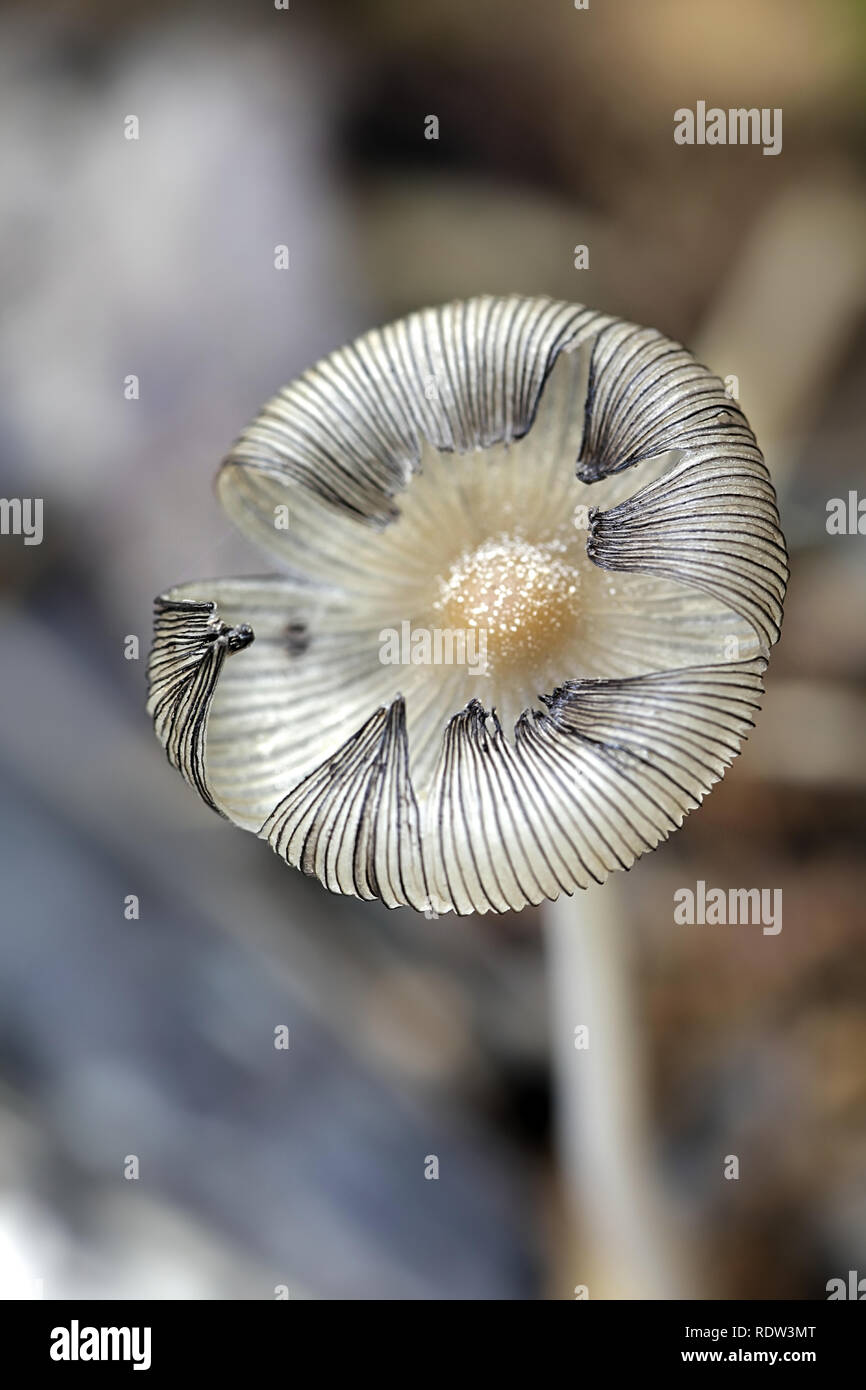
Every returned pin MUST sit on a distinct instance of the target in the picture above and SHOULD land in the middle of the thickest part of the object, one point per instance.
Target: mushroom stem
(628, 1248)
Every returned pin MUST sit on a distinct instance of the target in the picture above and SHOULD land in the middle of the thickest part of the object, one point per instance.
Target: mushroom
(573, 491)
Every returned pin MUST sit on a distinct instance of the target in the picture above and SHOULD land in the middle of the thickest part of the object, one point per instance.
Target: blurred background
(304, 1169)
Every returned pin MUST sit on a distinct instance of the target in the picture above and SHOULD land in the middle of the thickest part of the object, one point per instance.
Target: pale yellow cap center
(523, 597)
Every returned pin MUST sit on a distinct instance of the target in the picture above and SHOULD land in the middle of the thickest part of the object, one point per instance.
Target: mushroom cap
(577, 489)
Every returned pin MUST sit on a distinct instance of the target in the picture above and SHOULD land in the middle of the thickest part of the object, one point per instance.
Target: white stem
(607, 1161)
